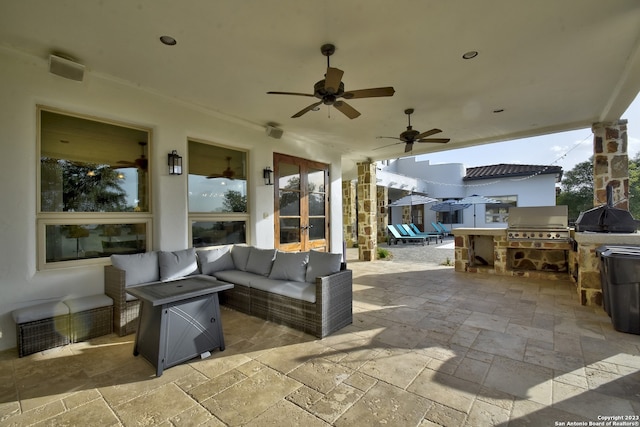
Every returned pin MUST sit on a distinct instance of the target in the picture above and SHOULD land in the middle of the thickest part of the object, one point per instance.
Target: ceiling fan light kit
(331, 89)
(411, 136)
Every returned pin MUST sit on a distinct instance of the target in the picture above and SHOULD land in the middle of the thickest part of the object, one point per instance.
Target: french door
(301, 204)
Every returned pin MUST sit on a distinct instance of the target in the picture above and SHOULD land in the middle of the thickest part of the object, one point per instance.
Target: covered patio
(427, 347)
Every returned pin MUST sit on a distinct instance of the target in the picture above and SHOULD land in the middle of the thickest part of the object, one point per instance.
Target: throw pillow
(290, 266)
(240, 255)
(213, 260)
(177, 264)
(139, 268)
(260, 261)
(322, 264)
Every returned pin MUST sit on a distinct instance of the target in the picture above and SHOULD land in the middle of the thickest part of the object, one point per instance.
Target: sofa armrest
(114, 285)
(334, 301)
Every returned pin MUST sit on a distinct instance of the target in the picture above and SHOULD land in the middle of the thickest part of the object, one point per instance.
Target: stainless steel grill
(538, 223)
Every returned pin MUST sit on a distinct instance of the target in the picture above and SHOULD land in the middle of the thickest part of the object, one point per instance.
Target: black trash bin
(620, 276)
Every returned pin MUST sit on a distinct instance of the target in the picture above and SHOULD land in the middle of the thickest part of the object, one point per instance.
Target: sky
(564, 149)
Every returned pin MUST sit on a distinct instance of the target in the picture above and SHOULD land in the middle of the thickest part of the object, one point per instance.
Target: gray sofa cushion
(240, 255)
(177, 264)
(290, 266)
(236, 277)
(322, 264)
(212, 260)
(139, 268)
(298, 290)
(260, 261)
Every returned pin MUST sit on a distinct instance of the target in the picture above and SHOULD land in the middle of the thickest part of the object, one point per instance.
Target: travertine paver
(427, 347)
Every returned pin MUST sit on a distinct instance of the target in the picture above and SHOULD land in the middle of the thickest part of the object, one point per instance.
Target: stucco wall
(26, 82)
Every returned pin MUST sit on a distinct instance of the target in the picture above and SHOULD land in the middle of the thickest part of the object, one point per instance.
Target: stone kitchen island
(489, 251)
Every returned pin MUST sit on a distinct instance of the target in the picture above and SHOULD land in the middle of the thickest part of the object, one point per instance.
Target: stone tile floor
(427, 347)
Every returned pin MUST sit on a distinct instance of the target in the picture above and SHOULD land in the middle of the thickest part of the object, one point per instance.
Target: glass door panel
(301, 203)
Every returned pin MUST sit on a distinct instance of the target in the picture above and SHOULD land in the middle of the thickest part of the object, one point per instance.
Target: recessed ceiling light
(168, 40)
(470, 55)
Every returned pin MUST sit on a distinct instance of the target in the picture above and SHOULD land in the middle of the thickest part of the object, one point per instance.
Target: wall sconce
(267, 174)
(175, 163)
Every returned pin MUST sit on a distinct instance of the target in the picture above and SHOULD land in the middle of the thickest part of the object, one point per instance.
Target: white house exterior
(518, 185)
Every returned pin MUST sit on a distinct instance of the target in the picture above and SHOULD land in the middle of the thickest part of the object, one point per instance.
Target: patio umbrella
(449, 206)
(474, 200)
(413, 199)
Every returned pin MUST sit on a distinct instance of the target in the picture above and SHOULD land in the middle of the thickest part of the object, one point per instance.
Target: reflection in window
(83, 241)
(217, 179)
(499, 212)
(289, 230)
(92, 173)
(89, 166)
(218, 203)
(289, 176)
(218, 233)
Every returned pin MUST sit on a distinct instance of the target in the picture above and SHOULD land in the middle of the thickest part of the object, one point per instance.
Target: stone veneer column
(367, 225)
(382, 197)
(349, 213)
(610, 163)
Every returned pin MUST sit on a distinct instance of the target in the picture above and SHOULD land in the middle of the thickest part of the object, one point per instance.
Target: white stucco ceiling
(550, 65)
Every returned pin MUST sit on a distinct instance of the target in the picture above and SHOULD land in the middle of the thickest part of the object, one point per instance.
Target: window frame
(196, 216)
(44, 219)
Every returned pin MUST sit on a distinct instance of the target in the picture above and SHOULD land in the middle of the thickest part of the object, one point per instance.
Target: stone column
(382, 196)
(349, 213)
(367, 226)
(610, 163)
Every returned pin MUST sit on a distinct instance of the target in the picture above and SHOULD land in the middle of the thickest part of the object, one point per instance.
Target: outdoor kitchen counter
(479, 231)
(474, 249)
(488, 250)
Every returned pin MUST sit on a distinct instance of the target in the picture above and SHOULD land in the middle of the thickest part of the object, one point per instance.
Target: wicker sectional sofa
(308, 291)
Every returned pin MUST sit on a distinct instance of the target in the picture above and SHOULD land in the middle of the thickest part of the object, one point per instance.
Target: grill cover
(607, 219)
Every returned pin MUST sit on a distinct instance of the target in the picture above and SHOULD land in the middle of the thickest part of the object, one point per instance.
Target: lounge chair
(410, 231)
(396, 237)
(439, 229)
(437, 233)
(446, 231)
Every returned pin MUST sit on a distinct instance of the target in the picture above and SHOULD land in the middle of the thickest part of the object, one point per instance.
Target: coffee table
(178, 320)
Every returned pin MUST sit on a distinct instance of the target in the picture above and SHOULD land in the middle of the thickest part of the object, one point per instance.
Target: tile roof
(506, 170)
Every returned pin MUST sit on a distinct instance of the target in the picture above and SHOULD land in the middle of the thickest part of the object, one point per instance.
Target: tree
(577, 189)
(234, 201)
(81, 187)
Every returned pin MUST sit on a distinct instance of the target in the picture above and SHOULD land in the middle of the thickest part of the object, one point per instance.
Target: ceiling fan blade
(346, 109)
(332, 79)
(439, 140)
(408, 147)
(369, 93)
(290, 93)
(307, 109)
(390, 137)
(388, 145)
(428, 133)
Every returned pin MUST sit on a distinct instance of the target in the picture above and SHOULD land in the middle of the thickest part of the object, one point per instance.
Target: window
(93, 189)
(218, 205)
(499, 212)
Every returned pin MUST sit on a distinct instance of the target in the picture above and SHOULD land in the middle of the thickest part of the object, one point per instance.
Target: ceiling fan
(141, 162)
(331, 89)
(227, 173)
(410, 135)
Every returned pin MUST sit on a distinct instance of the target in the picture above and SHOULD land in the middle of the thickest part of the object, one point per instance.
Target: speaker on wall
(65, 67)
(274, 132)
